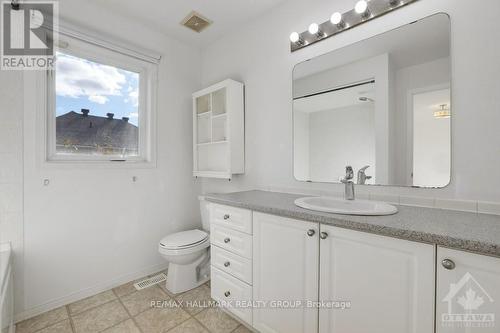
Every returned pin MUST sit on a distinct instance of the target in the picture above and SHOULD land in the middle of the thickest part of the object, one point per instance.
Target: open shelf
(219, 101)
(219, 129)
(203, 104)
(204, 125)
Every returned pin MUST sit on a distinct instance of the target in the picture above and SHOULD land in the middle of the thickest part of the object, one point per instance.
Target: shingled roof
(87, 133)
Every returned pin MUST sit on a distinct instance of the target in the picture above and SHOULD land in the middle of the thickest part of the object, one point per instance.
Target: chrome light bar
(364, 11)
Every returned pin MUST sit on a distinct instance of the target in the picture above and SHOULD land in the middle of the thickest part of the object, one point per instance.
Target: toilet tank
(205, 213)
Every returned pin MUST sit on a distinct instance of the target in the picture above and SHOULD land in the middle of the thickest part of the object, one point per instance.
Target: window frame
(107, 54)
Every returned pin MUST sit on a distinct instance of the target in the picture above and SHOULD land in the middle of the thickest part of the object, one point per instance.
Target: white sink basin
(347, 207)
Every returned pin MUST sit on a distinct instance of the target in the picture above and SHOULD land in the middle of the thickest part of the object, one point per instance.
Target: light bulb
(361, 6)
(294, 37)
(336, 18)
(313, 28)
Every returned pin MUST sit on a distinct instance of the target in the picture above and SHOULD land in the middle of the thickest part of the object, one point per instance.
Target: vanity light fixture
(362, 8)
(443, 112)
(337, 19)
(314, 30)
(363, 11)
(296, 39)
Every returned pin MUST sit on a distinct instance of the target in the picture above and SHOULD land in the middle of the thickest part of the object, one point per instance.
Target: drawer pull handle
(227, 240)
(226, 217)
(227, 293)
(323, 235)
(227, 263)
(448, 264)
(310, 232)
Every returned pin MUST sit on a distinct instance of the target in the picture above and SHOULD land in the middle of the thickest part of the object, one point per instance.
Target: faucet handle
(363, 169)
(362, 177)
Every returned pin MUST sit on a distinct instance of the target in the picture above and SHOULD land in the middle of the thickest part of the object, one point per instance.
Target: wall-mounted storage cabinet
(219, 130)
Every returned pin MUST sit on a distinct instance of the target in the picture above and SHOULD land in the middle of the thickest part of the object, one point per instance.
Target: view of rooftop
(84, 133)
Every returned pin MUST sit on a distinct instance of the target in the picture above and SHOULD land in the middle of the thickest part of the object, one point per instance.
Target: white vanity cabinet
(389, 283)
(306, 277)
(231, 259)
(219, 130)
(286, 254)
(468, 292)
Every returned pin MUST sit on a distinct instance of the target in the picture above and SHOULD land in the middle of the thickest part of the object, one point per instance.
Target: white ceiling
(166, 15)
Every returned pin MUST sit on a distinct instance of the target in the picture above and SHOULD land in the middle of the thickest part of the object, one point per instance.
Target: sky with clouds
(83, 84)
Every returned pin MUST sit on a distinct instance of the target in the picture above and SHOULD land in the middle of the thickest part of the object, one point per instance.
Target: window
(99, 104)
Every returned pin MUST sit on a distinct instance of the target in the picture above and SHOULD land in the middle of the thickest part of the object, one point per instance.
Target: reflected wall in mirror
(382, 105)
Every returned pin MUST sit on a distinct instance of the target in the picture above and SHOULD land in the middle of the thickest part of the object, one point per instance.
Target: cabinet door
(468, 292)
(388, 282)
(285, 268)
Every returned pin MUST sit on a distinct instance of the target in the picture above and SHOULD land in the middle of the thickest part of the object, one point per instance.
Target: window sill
(82, 164)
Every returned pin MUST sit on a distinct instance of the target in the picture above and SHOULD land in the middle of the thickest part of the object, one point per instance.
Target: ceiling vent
(195, 21)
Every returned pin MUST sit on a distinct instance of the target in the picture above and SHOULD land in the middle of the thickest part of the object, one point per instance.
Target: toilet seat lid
(184, 239)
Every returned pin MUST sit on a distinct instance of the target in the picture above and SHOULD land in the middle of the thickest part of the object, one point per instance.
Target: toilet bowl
(188, 255)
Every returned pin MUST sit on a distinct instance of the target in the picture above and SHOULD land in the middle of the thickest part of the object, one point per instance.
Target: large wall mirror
(382, 106)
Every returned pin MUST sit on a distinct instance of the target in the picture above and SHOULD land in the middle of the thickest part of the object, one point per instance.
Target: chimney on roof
(125, 119)
(110, 115)
(85, 112)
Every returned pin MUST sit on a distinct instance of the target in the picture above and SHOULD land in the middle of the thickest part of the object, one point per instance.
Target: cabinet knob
(448, 264)
(227, 263)
(311, 232)
(226, 217)
(227, 240)
(227, 293)
(323, 235)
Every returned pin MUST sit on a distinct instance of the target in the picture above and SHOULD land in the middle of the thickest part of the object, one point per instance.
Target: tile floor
(126, 310)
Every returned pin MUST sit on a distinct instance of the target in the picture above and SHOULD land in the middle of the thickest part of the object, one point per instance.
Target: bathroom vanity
(281, 268)
(379, 109)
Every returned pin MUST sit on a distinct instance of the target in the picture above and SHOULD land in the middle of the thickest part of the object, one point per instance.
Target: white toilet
(188, 254)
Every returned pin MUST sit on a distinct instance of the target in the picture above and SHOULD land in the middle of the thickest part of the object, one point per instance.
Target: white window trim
(125, 58)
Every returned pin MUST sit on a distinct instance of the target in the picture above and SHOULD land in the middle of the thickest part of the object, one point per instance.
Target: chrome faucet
(362, 177)
(349, 185)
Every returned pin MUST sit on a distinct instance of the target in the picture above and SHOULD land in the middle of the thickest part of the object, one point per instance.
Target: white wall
(333, 145)
(259, 55)
(408, 80)
(431, 140)
(92, 228)
(11, 168)
(301, 144)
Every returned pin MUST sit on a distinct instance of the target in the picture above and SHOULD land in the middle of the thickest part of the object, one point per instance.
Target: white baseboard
(76, 296)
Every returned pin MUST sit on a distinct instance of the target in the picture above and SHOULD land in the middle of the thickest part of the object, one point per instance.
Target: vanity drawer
(231, 240)
(228, 290)
(232, 264)
(231, 217)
